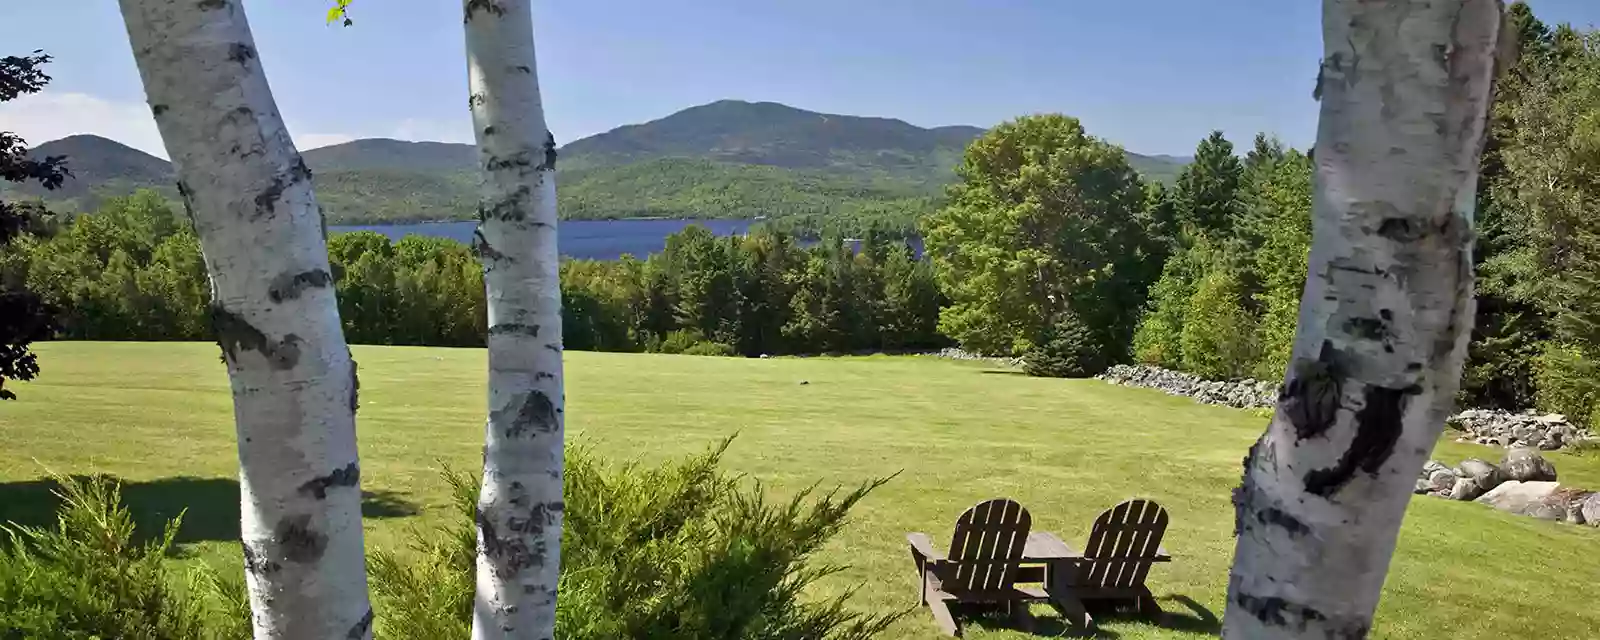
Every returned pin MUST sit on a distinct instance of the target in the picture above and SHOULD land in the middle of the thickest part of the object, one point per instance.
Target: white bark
(294, 389)
(520, 509)
(1384, 321)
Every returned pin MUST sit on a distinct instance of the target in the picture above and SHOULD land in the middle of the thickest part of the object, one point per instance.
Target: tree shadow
(210, 506)
(1198, 619)
(1002, 372)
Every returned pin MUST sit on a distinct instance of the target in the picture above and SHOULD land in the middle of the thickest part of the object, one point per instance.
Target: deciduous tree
(274, 313)
(1384, 318)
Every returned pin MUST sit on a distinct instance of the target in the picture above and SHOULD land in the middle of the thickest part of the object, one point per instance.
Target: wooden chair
(1124, 543)
(982, 566)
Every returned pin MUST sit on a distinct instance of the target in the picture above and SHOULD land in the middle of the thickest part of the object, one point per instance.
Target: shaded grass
(1066, 449)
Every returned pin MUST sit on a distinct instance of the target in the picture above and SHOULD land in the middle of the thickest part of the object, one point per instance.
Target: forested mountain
(729, 159)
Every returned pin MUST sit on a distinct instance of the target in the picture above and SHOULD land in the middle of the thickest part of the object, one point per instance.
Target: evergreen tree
(1208, 188)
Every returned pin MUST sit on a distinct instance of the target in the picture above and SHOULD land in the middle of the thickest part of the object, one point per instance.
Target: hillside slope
(726, 159)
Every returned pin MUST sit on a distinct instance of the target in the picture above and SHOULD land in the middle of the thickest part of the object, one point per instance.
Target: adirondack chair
(1124, 543)
(982, 567)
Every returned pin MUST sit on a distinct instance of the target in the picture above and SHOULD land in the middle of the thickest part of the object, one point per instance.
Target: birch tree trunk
(1384, 320)
(249, 196)
(519, 513)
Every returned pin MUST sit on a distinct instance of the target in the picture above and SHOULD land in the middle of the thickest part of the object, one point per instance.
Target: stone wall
(1241, 394)
(1481, 426)
(1528, 429)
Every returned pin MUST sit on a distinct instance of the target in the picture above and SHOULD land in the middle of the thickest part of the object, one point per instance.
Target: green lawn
(159, 416)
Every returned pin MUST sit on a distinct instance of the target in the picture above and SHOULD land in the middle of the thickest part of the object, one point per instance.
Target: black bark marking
(158, 109)
(1277, 612)
(544, 375)
(488, 131)
(474, 6)
(1399, 230)
(236, 336)
(553, 347)
(1378, 427)
(212, 4)
(1310, 399)
(188, 202)
(299, 542)
(1386, 314)
(480, 245)
(535, 413)
(549, 153)
(475, 100)
(523, 68)
(361, 627)
(355, 387)
(509, 328)
(1367, 329)
(522, 544)
(518, 159)
(513, 207)
(1277, 517)
(288, 286)
(241, 53)
(256, 561)
(1245, 492)
(267, 200)
(346, 476)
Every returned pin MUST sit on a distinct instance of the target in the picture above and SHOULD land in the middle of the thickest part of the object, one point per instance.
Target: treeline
(1226, 303)
(134, 271)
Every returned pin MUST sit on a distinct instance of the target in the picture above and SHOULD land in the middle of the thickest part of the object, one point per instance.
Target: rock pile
(1242, 394)
(1528, 429)
(1524, 483)
(957, 354)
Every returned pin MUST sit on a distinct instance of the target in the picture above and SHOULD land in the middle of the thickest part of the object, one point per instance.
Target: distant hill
(724, 159)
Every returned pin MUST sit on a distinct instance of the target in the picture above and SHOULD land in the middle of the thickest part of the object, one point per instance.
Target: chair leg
(1148, 606)
(941, 615)
(1021, 618)
(1072, 610)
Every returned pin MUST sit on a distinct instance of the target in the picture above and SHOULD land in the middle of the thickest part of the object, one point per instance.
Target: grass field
(159, 416)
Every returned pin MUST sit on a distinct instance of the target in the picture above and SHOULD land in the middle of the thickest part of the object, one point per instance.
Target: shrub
(1218, 336)
(689, 342)
(87, 578)
(676, 551)
(1568, 381)
(1069, 349)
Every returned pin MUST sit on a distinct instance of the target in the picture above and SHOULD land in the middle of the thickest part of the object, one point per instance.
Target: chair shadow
(1198, 619)
(210, 506)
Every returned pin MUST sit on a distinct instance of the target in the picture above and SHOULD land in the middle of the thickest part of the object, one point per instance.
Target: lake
(590, 239)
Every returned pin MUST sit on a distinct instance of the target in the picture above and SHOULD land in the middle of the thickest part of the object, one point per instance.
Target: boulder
(1422, 486)
(1590, 508)
(1522, 498)
(1431, 466)
(1465, 489)
(1442, 480)
(1525, 464)
(1483, 473)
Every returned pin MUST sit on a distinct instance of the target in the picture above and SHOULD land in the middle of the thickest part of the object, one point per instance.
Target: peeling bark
(248, 195)
(1384, 320)
(519, 513)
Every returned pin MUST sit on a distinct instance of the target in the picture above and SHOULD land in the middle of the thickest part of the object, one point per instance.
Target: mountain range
(726, 159)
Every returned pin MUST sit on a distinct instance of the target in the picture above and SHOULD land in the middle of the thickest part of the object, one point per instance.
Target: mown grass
(159, 416)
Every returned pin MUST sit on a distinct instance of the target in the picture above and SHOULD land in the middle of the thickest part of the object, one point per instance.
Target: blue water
(590, 239)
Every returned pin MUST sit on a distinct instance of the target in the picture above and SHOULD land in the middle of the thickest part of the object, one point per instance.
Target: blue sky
(1152, 75)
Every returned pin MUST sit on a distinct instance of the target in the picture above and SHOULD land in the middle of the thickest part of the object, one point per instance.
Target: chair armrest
(922, 546)
(1162, 555)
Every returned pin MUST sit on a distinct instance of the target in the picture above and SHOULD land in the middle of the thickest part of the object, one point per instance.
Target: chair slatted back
(1122, 546)
(987, 547)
